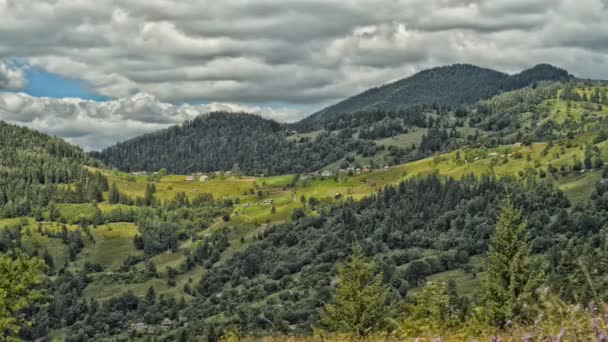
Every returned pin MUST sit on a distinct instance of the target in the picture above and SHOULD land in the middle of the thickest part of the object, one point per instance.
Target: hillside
(32, 168)
(452, 86)
(441, 105)
(229, 141)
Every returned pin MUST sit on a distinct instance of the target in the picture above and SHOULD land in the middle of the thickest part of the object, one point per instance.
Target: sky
(98, 72)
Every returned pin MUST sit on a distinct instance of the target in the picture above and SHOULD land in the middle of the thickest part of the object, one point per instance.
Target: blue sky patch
(45, 84)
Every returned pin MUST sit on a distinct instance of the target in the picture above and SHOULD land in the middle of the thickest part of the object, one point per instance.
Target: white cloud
(94, 125)
(11, 78)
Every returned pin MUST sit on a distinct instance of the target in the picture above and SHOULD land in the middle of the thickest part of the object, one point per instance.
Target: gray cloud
(11, 78)
(300, 52)
(94, 125)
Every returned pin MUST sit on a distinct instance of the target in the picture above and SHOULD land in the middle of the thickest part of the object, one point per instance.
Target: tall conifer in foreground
(359, 301)
(510, 281)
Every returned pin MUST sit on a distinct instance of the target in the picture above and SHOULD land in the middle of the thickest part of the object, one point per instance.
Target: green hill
(452, 86)
(36, 170)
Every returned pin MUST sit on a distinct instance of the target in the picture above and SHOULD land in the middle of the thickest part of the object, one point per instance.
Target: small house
(493, 155)
(386, 167)
(203, 178)
(167, 323)
(189, 178)
(326, 173)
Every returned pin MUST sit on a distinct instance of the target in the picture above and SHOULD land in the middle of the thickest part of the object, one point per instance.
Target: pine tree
(114, 194)
(569, 281)
(510, 281)
(359, 301)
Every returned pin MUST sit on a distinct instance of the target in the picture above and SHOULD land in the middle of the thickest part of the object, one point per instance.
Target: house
(203, 178)
(268, 202)
(167, 323)
(228, 173)
(326, 173)
(386, 167)
(518, 145)
(493, 155)
(189, 178)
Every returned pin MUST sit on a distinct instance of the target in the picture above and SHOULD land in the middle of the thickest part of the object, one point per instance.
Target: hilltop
(451, 86)
(427, 103)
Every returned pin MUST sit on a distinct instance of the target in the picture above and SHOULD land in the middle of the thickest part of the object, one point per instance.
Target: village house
(203, 178)
(326, 173)
(189, 178)
(493, 155)
(166, 324)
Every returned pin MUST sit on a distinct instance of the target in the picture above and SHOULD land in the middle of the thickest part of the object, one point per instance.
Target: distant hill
(33, 164)
(226, 141)
(453, 85)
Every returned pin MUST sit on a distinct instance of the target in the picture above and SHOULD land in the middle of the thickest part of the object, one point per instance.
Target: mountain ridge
(441, 85)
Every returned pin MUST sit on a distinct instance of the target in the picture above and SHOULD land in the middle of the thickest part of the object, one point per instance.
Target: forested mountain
(450, 86)
(230, 141)
(33, 166)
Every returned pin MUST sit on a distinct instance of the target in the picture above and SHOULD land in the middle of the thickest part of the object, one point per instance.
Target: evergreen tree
(114, 194)
(359, 301)
(569, 279)
(510, 281)
(19, 277)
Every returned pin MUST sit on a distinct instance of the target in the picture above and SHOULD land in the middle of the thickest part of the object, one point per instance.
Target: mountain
(229, 141)
(453, 86)
(33, 164)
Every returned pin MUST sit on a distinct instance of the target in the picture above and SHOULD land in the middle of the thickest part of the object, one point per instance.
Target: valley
(248, 233)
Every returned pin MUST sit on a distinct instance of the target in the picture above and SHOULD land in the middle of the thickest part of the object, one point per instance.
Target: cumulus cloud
(94, 125)
(11, 78)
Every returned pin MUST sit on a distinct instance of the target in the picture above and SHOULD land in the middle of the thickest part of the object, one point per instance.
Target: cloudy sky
(97, 72)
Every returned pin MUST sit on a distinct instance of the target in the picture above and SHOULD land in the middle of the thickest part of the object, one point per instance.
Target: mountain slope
(227, 141)
(32, 164)
(453, 85)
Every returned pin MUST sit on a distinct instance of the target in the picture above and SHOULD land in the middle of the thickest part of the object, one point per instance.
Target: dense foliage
(230, 142)
(454, 219)
(37, 170)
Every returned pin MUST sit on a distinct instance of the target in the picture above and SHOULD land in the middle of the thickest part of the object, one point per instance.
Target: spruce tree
(510, 280)
(359, 301)
(114, 194)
